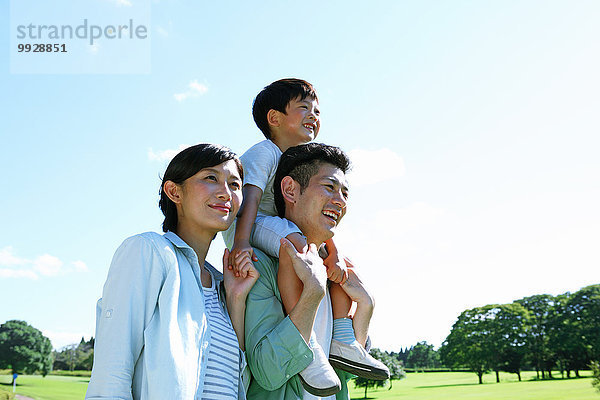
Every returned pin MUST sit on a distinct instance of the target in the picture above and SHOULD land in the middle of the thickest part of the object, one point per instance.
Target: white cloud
(44, 265)
(195, 89)
(374, 166)
(47, 265)
(17, 273)
(408, 218)
(79, 266)
(165, 155)
(121, 3)
(7, 258)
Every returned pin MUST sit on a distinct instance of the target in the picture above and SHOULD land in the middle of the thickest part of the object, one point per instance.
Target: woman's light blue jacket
(152, 335)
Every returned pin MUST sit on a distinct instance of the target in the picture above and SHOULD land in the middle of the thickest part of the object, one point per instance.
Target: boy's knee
(298, 240)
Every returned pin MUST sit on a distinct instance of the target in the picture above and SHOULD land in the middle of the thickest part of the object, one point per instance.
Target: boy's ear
(273, 117)
(289, 189)
(173, 191)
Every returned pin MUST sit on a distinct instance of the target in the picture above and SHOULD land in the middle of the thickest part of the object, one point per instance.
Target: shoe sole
(319, 392)
(357, 369)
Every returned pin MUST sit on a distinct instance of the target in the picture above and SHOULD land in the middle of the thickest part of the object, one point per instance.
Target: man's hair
(186, 164)
(303, 162)
(277, 96)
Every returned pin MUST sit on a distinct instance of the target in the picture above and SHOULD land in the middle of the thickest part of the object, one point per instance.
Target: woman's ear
(289, 189)
(173, 191)
(273, 117)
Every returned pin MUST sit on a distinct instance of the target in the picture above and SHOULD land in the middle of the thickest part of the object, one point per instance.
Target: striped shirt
(222, 369)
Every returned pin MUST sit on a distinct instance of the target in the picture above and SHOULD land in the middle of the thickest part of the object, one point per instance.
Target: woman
(169, 325)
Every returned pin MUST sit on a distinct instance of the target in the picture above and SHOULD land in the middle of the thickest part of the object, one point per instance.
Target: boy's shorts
(268, 231)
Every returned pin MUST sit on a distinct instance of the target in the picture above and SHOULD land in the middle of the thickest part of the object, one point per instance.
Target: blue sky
(473, 127)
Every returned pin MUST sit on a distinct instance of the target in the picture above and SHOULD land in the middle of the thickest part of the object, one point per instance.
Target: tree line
(540, 332)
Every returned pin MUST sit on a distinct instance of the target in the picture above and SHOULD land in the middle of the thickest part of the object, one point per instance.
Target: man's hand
(308, 267)
(240, 253)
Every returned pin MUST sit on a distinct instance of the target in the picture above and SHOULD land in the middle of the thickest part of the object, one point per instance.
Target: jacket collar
(185, 248)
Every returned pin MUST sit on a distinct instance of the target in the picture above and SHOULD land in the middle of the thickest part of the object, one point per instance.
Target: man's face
(320, 207)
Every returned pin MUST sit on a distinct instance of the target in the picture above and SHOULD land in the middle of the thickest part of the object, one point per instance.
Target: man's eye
(330, 187)
(305, 107)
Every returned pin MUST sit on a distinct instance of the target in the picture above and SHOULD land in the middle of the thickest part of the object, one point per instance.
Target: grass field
(49, 388)
(417, 386)
(463, 385)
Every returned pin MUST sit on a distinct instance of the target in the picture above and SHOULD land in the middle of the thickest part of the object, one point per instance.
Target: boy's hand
(336, 267)
(240, 254)
(355, 288)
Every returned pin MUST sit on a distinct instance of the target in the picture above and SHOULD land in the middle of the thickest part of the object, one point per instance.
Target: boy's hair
(277, 96)
(186, 164)
(303, 162)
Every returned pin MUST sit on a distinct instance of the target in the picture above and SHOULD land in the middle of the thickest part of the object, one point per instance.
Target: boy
(287, 113)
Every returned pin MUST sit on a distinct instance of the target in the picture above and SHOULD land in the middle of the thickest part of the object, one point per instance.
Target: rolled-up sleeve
(128, 303)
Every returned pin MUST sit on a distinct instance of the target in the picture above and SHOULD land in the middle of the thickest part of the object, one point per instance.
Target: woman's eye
(211, 178)
(236, 185)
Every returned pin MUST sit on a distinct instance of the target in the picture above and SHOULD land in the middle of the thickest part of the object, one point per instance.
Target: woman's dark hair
(186, 164)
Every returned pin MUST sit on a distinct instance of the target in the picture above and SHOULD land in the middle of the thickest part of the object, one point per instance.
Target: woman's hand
(238, 285)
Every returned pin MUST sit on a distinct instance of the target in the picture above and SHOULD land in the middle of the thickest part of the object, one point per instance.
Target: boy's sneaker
(319, 378)
(355, 359)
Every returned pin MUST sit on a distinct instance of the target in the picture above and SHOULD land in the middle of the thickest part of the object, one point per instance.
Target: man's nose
(339, 199)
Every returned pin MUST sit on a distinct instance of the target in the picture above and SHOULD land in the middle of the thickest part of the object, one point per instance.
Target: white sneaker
(355, 359)
(319, 378)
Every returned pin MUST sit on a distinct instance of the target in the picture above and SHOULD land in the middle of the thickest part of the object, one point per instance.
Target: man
(311, 191)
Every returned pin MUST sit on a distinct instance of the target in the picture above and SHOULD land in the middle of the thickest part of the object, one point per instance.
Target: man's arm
(276, 346)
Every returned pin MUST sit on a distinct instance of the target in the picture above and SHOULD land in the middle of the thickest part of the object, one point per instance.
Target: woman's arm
(128, 301)
(236, 292)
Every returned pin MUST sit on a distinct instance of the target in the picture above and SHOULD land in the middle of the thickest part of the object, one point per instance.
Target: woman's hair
(186, 164)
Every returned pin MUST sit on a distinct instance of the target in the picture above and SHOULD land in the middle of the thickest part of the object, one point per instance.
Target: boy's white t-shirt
(260, 164)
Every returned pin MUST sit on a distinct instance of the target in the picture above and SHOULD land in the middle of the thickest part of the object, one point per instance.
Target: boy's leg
(290, 286)
(346, 352)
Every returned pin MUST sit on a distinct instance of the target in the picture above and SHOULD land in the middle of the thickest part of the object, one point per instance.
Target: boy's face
(300, 124)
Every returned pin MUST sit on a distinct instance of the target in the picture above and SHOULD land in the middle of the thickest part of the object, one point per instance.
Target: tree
(24, 349)
(540, 308)
(595, 366)
(75, 356)
(390, 361)
(470, 342)
(367, 383)
(511, 326)
(422, 355)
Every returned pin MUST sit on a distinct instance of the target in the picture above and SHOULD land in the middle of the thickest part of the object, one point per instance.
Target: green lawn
(48, 388)
(462, 385)
(417, 386)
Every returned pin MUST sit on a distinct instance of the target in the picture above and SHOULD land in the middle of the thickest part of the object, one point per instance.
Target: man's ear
(173, 191)
(273, 117)
(289, 189)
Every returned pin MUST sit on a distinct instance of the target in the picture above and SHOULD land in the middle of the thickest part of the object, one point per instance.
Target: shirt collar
(176, 240)
(179, 243)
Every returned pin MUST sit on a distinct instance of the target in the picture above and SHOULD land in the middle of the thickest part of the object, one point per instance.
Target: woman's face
(211, 199)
